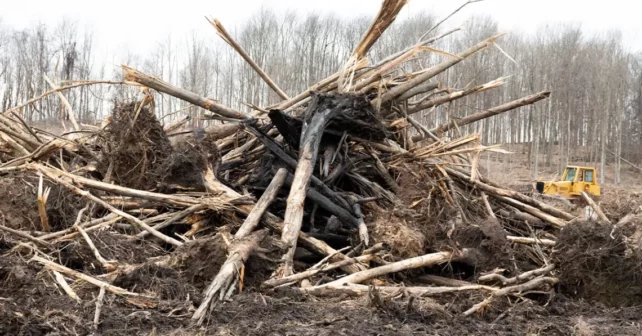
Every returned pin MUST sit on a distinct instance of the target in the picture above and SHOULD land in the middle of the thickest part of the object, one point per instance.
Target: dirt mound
(595, 263)
(19, 203)
(29, 307)
(617, 203)
(488, 238)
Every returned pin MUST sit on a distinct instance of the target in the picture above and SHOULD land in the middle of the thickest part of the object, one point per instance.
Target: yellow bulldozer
(575, 180)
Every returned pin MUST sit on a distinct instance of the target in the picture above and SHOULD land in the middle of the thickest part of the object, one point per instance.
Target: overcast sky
(138, 24)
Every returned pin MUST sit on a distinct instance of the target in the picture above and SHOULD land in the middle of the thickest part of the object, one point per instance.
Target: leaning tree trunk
(322, 108)
(245, 242)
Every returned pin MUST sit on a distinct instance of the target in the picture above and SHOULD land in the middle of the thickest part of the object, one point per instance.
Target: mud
(30, 307)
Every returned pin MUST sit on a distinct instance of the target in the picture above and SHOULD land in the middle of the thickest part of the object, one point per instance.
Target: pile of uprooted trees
(337, 189)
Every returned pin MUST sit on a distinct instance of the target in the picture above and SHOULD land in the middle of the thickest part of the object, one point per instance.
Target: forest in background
(594, 114)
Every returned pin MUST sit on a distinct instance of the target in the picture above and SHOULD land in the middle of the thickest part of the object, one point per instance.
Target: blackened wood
(326, 204)
(288, 129)
(290, 161)
(334, 240)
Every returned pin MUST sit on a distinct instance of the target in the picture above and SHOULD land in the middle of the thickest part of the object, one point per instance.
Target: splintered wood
(335, 188)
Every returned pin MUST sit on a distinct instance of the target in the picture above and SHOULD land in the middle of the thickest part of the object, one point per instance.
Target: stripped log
(555, 221)
(596, 208)
(487, 113)
(228, 276)
(275, 282)
(531, 241)
(290, 161)
(455, 95)
(327, 204)
(533, 284)
(434, 71)
(262, 204)
(416, 262)
(134, 75)
(359, 290)
(135, 221)
(519, 278)
(463, 177)
(319, 113)
(232, 43)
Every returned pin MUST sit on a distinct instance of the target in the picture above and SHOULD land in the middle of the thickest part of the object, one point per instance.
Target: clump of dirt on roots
(136, 145)
(596, 263)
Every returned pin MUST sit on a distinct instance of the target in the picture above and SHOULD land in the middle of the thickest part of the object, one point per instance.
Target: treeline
(594, 114)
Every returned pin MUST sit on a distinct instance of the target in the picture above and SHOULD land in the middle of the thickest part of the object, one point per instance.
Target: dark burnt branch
(290, 161)
(285, 125)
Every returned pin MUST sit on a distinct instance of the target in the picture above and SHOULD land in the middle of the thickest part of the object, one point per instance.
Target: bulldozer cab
(574, 181)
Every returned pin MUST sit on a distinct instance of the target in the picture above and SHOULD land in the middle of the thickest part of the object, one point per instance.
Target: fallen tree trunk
(416, 262)
(434, 71)
(511, 194)
(290, 161)
(559, 223)
(327, 204)
(596, 208)
(454, 96)
(229, 40)
(134, 75)
(262, 204)
(486, 114)
(358, 290)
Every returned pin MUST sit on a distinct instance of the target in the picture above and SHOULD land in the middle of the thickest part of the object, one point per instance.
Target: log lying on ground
(520, 278)
(359, 290)
(533, 284)
(421, 261)
(531, 241)
(367, 256)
